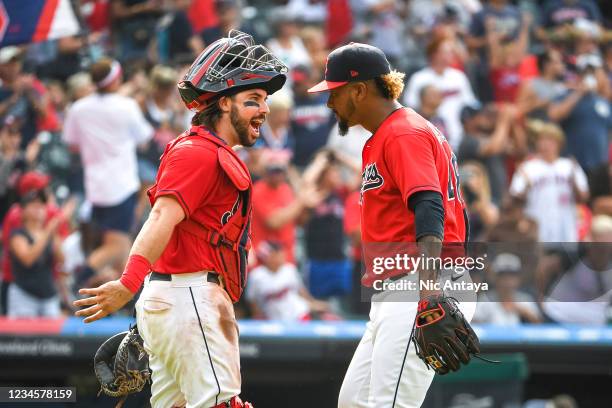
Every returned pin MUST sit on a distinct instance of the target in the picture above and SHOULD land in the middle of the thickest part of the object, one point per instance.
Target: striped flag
(27, 21)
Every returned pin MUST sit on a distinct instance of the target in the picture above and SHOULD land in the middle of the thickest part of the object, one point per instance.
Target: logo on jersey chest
(226, 215)
(371, 179)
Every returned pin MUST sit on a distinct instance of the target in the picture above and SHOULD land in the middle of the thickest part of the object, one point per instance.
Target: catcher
(409, 194)
(192, 251)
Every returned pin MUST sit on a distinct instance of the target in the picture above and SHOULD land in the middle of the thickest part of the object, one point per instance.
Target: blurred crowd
(521, 89)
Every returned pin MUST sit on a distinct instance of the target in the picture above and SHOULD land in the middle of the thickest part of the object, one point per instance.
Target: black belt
(167, 277)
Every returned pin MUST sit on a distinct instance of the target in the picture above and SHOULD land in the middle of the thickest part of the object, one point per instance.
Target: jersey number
(453, 179)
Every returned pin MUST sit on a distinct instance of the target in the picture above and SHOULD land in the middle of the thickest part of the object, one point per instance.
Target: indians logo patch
(371, 179)
(226, 215)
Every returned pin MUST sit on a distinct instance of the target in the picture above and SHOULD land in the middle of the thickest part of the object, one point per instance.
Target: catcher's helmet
(230, 65)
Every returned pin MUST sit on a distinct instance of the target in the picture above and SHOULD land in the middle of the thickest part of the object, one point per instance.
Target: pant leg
(20, 303)
(399, 378)
(218, 341)
(191, 334)
(151, 310)
(356, 384)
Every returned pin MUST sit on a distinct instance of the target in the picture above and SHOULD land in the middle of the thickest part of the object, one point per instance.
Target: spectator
(487, 140)
(106, 128)
(311, 120)
(582, 294)
(514, 226)
(275, 290)
(505, 58)
(13, 161)
(559, 13)
(275, 133)
(430, 99)
(584, 114)
(134, 24)
(424, 19)
(161, 109)
(202, 15)
(506, 305)
(453, 84)
(482, 212)
(535, 95)
(21, 95)
(551, 186)
(28, 183)
(96, 14)
(426, 14)
(329, 269)
(229, 18)
(68, 59)
(286, 44)
(600, 185)
(314, 41)
(79, 86)
(358, 136)
(385, 28)
(352, 230)
(33, 249)
(276, 209)
(176, 42)
(313, 12)
(505, 21)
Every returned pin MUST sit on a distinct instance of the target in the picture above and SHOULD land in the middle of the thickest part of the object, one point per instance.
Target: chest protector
(232, 242)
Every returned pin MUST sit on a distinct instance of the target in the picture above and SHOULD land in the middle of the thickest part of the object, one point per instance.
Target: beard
(241, 126)
(343, 126)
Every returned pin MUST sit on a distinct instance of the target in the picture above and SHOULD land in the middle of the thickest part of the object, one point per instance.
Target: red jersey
(12, 221)
(407, 154)
(506, 83)
(266, 200)
(191, 173)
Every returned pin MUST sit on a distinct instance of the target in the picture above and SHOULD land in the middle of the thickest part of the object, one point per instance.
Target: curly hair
(390, 85)
(210, 115)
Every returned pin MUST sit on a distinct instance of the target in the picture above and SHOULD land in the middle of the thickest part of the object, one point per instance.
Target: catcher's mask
(228, 66)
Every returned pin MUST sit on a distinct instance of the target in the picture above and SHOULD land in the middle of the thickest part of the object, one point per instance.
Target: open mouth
(255, 124)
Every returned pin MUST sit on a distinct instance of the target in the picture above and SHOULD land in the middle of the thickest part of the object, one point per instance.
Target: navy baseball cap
(351, 63)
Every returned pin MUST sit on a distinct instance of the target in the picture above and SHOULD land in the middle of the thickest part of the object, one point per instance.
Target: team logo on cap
(353, 73)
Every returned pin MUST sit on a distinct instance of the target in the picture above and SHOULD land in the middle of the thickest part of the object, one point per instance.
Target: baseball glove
(442, 337)
(121, 365)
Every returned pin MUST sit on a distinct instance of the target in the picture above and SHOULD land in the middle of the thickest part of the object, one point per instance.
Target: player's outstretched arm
(148, 247)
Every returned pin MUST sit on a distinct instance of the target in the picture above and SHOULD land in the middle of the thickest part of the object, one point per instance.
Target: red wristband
(135, 272)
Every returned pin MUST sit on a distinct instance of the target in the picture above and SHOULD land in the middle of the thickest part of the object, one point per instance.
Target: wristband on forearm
(136, 269)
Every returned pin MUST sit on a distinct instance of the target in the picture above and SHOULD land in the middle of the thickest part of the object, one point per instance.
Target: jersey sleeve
(189, 175)
(580, 178)
(70, 131)
(140, 130)
(519, 183)
(411, 163)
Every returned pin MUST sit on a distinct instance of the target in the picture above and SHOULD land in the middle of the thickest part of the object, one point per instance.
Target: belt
(167, 277)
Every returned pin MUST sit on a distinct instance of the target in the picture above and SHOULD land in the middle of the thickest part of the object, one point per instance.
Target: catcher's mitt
(121, 364)
(442, 337)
